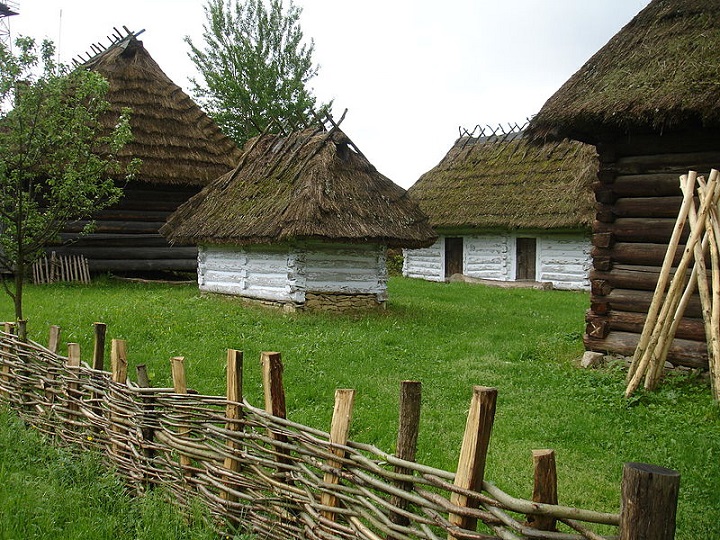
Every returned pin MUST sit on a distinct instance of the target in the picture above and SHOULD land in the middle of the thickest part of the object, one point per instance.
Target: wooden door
(453, 256)
(525, 251)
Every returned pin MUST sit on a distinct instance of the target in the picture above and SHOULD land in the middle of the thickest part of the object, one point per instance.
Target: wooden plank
(183, 265)
(471, 463)
(339, 433)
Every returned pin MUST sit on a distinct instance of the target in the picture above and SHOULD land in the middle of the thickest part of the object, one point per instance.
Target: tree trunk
(19, 282)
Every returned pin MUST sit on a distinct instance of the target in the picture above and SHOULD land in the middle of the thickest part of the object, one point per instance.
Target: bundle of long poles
(675, 288)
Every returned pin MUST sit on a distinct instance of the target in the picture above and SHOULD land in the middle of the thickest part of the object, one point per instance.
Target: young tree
(56, 160)
(255, 66)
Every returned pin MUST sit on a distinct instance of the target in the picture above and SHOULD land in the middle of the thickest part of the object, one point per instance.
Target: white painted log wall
(425, 263)
(284, 273)
(561, 258)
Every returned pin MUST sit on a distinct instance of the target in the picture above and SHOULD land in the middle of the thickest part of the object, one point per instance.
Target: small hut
(181, 150)
(648, 101)
(506, 211)
(304, 220)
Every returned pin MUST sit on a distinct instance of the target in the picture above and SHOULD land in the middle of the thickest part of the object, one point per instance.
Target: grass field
(448, 336)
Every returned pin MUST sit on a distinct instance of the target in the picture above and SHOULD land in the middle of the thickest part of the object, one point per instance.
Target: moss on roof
(506, 183)
(309, 184)
(661, 71)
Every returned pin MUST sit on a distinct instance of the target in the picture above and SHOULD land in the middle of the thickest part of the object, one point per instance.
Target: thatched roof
(176, 141)
(311, 183)
(660, 72)
(504, 182)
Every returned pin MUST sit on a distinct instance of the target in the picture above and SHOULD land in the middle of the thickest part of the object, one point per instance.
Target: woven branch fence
(261, 473)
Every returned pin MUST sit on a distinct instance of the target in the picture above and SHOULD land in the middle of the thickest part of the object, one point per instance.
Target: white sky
(410, 72)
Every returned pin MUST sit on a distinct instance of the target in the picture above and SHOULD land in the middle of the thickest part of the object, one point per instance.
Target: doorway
(525, 252)
(453, 256)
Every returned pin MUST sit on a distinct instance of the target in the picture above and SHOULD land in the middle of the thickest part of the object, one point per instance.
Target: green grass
(448, 336)
(51, 493)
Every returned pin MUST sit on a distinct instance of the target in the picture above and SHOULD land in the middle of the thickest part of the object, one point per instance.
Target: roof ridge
(98, 49)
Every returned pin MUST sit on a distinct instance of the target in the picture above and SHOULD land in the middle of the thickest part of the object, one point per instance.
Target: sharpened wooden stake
(233, 411)
(339, 432)
(180, 387)
(473, 453)
(118, 359)
(408, 430)
(99, 346)
(544, 488)
(274, 392)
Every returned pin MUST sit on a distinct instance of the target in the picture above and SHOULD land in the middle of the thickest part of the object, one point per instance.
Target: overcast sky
(410, 72)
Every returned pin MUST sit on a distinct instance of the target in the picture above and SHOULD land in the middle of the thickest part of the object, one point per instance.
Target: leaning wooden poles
(672, 294)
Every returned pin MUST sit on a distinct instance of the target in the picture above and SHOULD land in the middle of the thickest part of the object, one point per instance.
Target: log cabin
(181, 150)
(648, 102)
(508, 211)
(303, 221)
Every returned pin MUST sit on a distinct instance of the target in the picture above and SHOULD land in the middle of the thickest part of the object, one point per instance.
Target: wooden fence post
(408, 430)
(180, 386)
(119, 366)
(649, 502)
(274, 392)
(544, 488)
(148, 435)
(99, 346)
(73, 367)
(54, 339)
(471, 463)
(233, 411)
(339, 432)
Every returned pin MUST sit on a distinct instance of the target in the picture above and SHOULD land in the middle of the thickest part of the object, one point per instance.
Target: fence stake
(339, 431)
(5, 373)
(146, 430)
(99, 348)
(233, 411)
(649, 502)
(471, 464)
(118, 359)
(54, 339)
(544, 488)
(73, 365)
(274, 392)
(180, 386)
(408, 430)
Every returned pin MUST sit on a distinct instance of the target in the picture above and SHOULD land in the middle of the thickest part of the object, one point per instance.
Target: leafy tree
(255, 66)
(56, 160)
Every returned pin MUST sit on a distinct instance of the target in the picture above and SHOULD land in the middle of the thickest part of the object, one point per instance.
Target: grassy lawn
(448, 336)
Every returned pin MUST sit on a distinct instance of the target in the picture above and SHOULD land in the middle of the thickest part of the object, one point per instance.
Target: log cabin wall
(638, 198)
(126, 240)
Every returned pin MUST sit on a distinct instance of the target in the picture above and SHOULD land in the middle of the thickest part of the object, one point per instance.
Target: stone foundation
(342, 302)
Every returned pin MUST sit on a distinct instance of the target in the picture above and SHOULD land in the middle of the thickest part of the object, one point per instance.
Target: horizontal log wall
(125, 237)
(638, 197)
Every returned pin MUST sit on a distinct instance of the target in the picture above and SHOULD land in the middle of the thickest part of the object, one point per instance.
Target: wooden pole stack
(675, 288)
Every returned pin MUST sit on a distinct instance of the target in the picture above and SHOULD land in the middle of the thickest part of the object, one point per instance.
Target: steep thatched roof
(660, 72)
(312, 183)
(176, 141)
(504, 182)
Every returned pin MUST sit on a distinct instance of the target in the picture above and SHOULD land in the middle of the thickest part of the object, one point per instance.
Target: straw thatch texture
(254, 470)
(660, 71)
(505, 182)
(309, 184)
(176, 141)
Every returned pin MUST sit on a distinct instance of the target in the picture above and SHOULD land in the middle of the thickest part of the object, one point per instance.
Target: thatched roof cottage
(303, 220)
(181, 150)
(648, 101)
(506, 210)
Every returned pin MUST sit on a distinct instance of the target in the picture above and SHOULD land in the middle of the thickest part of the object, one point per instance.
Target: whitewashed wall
(425, 263)
(561, 258)
(284, 273)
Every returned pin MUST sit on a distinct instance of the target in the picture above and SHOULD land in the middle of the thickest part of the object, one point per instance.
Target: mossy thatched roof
(309, 184)
(660, 72)
(176, 141)
(504, 182)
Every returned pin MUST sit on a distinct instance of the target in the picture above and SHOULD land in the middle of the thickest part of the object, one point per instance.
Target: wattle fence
(266, 475)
